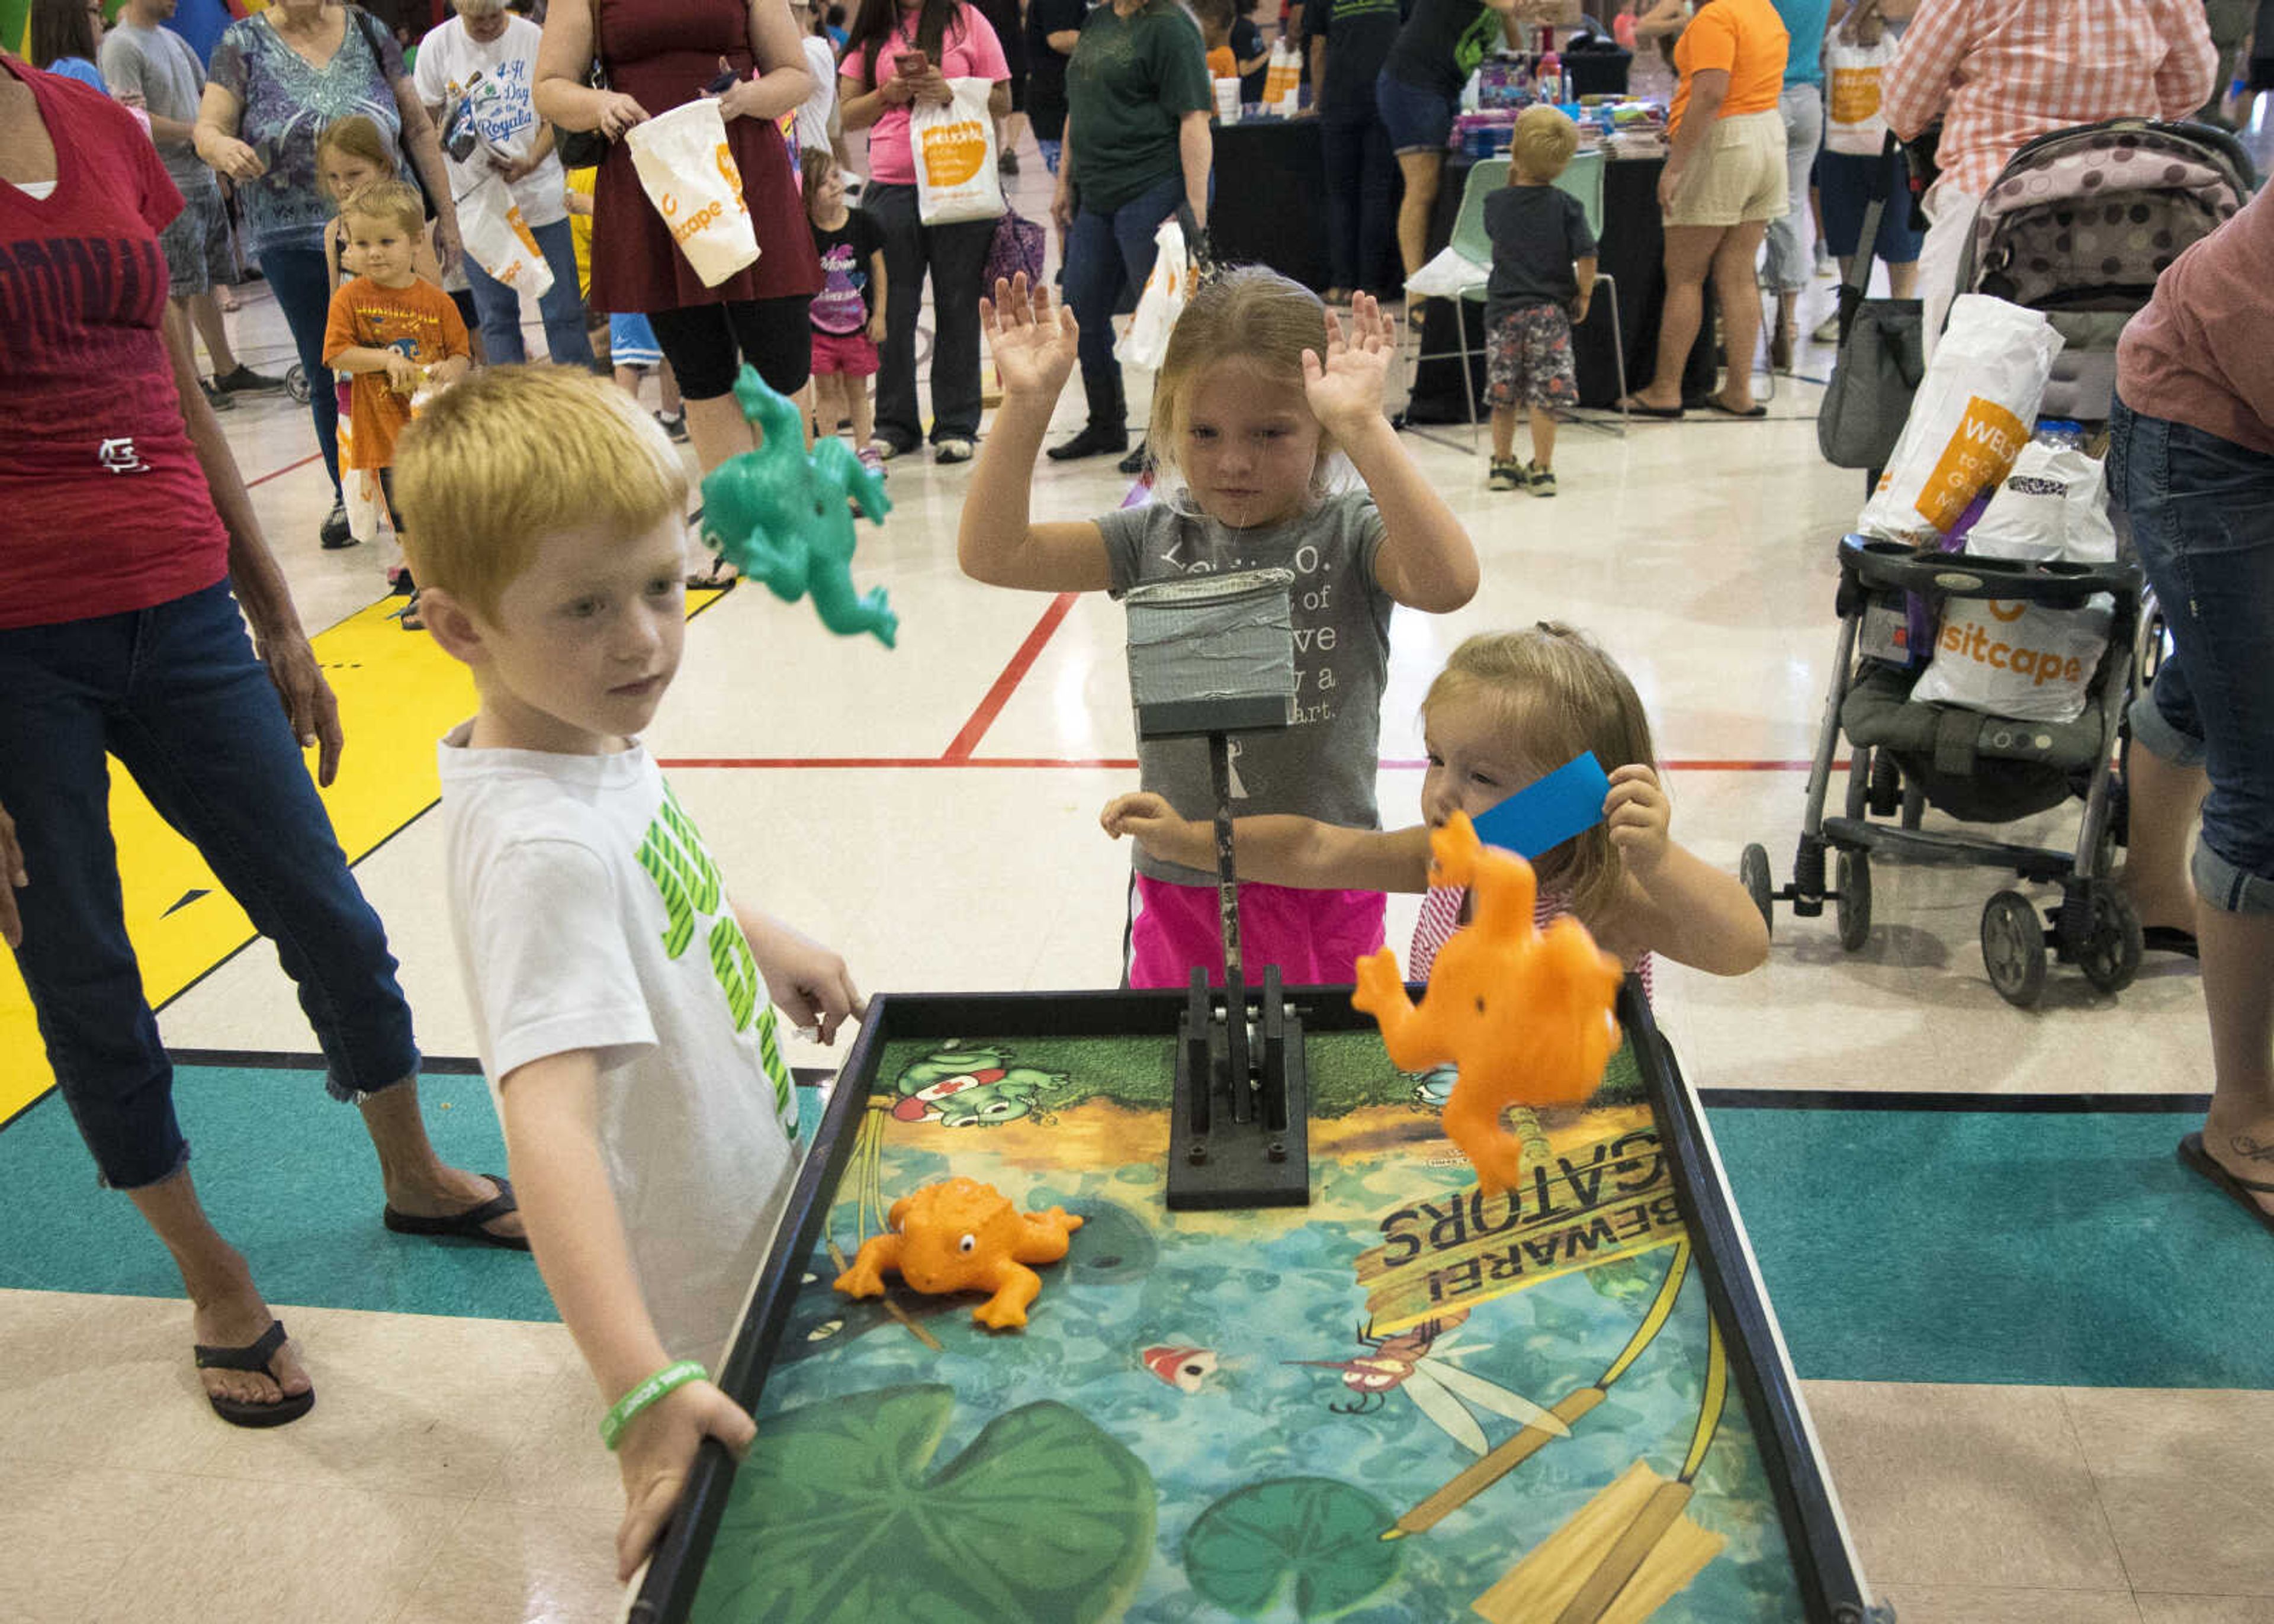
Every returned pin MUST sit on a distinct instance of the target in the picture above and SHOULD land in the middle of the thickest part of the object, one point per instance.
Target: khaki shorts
(1740, 177)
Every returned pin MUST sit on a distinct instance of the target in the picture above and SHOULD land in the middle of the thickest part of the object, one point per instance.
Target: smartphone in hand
(725, 82)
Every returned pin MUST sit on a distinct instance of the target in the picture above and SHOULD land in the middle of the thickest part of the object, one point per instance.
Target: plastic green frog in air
(782, 517)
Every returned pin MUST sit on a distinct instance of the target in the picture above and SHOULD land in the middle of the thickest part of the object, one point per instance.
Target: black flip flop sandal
(254, 1356)
(2168, 939)
(2193, 1156)
(468, 1225)
(1755, 410)
(1643, 409)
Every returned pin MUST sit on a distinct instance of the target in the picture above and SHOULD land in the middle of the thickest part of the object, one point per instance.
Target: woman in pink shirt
(2191, 458)
(2002, 72)
(902, 53)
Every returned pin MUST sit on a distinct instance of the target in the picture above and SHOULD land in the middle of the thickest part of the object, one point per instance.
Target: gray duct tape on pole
(1213, 654)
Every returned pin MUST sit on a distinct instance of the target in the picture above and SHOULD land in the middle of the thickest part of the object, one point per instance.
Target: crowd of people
(510, 485)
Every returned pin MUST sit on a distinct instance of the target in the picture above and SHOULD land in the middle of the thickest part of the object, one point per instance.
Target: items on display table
(1621, 129)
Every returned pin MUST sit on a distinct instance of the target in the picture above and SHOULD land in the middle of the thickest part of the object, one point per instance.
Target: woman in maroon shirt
(123, 529)
(658, 55)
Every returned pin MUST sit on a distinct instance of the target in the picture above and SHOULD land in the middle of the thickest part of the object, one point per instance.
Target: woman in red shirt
(123, 529)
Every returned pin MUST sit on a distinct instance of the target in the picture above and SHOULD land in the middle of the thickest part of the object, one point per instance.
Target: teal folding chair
(1583, 178)
(1486, 176)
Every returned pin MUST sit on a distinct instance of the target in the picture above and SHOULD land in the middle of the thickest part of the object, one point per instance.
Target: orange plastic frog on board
(1525, 1014)
(964, 1236)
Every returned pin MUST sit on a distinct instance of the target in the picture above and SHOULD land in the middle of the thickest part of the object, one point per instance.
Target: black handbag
(584, 149)
(1882, 354)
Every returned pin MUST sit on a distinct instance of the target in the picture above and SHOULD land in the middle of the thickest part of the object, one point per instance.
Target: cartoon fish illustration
(1182, 1367)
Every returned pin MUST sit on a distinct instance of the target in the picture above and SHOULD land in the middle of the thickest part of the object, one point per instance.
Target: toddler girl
(848, 313)
(1510, 708)
(352, 154)
(1260, 387)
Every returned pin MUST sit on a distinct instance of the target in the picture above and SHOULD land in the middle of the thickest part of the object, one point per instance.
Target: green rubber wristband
(629, 1407)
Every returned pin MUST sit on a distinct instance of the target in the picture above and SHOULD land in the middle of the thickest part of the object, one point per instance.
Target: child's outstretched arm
(806, 981)
(552, 1113)
(1278, 849)
(1425, 560)
(996, 541)
(1675, 903)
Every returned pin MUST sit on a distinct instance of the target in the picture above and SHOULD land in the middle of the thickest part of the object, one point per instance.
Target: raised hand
(1034, 351)
(1345, 387)
(1639, 817)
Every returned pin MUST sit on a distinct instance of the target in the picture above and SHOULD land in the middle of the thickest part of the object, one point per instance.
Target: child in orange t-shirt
(395, 331)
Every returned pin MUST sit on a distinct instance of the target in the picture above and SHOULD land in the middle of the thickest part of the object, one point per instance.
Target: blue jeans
(1361, 203)
(563, 308)
(1105, 249)
(177, 694)
(2202, 518)
(303, 288)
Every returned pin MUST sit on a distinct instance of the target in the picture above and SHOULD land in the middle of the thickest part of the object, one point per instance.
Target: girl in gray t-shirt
(1260, 387)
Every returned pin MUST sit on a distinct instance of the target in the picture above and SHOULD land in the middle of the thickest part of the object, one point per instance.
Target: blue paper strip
(1567, 802)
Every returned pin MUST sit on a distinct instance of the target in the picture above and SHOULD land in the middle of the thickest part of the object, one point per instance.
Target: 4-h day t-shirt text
(589, 915)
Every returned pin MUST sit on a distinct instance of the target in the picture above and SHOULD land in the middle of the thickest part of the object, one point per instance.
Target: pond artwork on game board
(1404, 1402)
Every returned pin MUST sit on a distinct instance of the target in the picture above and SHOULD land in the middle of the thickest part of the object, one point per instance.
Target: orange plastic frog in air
(964, 1236)
(1525, 1014)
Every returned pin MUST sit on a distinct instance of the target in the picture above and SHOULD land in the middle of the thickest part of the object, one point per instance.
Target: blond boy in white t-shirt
(625, 1005)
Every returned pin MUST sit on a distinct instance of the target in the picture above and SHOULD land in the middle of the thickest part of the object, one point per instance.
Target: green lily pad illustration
(1324, 1536)
(836, 1516)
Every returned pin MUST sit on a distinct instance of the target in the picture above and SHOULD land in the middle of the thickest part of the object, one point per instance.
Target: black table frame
(1823, 1563)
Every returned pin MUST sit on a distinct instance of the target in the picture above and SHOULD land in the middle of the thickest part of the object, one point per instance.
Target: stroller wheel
(295, 383)
(1753, 874)
(2013, 948)
(1887, 793)
(2110, 952)
(1852, 879)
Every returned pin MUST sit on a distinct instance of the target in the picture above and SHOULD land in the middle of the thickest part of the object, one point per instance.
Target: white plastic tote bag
(2019, 659)
(1853, 121)
(689, 175)
(1969, 421)
(953, 146)
(1146, 340)
(491, 226)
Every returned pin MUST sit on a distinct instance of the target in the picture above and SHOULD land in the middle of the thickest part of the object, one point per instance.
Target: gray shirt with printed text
(1323, 767)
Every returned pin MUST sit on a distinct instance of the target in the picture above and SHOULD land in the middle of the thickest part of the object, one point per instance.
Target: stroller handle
(1894, 566)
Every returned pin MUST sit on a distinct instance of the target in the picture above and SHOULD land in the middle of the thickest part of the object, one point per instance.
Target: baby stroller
(2079, 225)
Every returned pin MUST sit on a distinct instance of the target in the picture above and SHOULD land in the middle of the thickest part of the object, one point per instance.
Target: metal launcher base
(1239, 1125)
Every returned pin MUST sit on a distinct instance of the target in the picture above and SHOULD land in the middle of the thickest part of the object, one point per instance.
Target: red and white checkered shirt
(2001, 72)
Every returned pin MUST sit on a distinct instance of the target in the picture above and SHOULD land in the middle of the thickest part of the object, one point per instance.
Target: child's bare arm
(1674, 902)
(551, 1114)
(806, 981)
(997, 540)
(1277, 849)
(876, 303)
(1583, 270)
(1425, 560)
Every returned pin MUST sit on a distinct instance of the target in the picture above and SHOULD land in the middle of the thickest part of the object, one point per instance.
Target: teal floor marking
(286, 1173)
(1898, 1246)
(2057, 1248)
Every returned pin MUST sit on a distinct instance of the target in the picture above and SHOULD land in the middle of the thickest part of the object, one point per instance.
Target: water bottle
(2060, 432)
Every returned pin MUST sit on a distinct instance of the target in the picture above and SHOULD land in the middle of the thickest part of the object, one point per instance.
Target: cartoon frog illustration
(963, 1236)
(971, 1088)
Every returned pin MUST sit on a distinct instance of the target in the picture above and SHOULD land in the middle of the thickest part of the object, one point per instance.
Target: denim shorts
(2202, 518)
(1418, 120)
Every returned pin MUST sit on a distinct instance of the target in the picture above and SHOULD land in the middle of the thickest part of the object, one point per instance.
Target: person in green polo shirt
(1137, 144)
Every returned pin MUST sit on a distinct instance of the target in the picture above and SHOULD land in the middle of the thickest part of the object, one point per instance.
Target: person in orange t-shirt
(395, 332)
(1724, 181)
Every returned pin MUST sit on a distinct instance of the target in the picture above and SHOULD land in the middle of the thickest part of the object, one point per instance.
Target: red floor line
(278, 473)
(1123, 764)
(1015, 672)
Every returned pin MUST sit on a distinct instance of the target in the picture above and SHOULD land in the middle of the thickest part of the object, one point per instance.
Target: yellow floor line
(398, 693)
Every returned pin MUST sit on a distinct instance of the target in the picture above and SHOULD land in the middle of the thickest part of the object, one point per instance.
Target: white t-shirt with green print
(589, 915)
